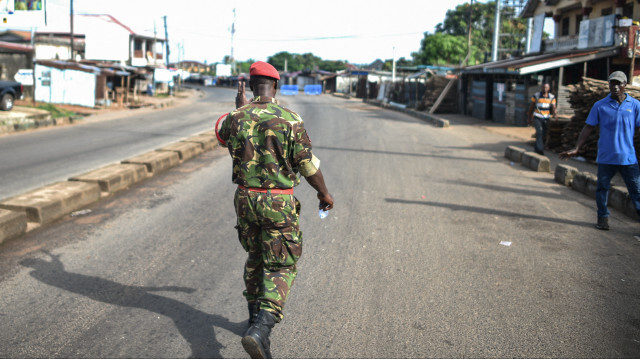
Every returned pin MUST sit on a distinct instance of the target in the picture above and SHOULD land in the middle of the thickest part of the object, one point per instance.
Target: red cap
(260, 68)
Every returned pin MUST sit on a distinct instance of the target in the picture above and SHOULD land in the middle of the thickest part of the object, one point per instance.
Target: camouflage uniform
(269, 146)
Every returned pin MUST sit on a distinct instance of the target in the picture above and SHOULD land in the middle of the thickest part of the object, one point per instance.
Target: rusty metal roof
(536, 63)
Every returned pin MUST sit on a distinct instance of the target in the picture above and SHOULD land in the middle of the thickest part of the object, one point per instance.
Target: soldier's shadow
(195, 326)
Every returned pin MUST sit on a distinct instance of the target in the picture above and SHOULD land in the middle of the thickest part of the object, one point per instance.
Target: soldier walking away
(269, 146)
(543, 107)
(618, 116)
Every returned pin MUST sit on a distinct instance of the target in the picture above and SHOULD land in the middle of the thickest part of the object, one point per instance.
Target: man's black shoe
(603, 223)
(256, 339)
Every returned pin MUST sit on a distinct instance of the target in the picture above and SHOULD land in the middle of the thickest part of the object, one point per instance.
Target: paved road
(408, 264)
(29, 160)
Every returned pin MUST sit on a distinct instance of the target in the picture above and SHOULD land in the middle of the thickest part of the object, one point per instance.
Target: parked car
(9, 92)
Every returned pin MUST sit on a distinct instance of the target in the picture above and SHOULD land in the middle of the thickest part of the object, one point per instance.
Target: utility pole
(233, 31)
(393, 67)
(166, 38)
(496, 33)
(71, 29)
(466, 59)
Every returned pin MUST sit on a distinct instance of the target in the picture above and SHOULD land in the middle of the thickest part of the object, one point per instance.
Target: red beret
(260, 68)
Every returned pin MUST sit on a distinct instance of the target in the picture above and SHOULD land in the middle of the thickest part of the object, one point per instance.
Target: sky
(358, 31)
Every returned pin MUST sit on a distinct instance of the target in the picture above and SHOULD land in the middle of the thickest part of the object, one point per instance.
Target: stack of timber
(434, 87)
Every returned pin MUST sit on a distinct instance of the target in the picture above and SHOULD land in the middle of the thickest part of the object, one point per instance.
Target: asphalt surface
(29, 160)
(437, 247)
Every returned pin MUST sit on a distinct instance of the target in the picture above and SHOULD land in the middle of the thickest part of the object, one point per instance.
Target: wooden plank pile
(582, 96)
(434, 87)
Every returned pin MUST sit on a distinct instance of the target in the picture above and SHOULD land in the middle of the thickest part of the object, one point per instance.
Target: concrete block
(207, 142)
(156, 161)
(186, 150)
(585, 182)
(24, 125)
(536, 162)
(514, 153)
(49, 203)
(564, 174)
(620, 200)
(61, 121)
(437, 121)
(12, 224)
(114, 177)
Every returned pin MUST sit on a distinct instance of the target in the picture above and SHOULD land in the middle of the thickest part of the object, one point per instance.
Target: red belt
(265, 190)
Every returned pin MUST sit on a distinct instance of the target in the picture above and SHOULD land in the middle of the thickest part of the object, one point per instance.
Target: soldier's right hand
(241, 98)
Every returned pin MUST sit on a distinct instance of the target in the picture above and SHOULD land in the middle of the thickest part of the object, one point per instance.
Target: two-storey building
(590, 38)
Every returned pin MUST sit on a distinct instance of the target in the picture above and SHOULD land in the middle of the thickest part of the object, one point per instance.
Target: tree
(307, 61)
(401, 62)
(441, 49)
(456, 26)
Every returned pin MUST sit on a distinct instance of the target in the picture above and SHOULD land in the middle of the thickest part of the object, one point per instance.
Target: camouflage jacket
(268, 145)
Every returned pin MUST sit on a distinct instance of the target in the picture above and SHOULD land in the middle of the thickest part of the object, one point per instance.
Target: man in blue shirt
(618, 117)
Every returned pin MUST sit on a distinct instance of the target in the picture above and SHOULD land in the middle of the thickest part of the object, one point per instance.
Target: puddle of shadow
(483, 210)
(195, 326)
(409, 154)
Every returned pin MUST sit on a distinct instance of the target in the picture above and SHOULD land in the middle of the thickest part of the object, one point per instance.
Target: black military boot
(256, 339)
(254, 308)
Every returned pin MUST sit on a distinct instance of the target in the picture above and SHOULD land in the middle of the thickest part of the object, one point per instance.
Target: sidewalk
(523, 136)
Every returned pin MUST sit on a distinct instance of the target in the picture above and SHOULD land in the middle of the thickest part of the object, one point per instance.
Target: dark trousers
(631, 176)
(542, 128)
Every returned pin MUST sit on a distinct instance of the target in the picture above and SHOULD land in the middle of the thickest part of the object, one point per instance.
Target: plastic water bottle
(322, 213)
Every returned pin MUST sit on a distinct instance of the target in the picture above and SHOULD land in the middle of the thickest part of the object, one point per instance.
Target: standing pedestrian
(541, 110)
(618, 117)
(269, 146)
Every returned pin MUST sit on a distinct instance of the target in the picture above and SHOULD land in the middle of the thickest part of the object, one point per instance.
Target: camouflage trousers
(268, 231)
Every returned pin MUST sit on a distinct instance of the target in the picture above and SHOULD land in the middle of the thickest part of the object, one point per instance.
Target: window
(565, 27)
(627, 10)
(606, 11)
(578, 20)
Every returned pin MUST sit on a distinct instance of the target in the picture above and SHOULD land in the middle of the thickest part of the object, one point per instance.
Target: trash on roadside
(80, 213)
(505, 243)
(423, 197)
(580, 158)
(511, 163)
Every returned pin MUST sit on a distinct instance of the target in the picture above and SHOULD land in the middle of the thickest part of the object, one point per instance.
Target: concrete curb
(185, 150)
(25, 212)
(536, 162)
(115, 177)
(514, 153)
(156, 161)
(435, 120)
(12, 224)
(564, 174)
(583, 182)
(46, 204)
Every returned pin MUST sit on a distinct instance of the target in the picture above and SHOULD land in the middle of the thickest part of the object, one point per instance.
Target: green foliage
(388, 64)
(449, 42)
(441, 49)
(55, 111)
(300, 62)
